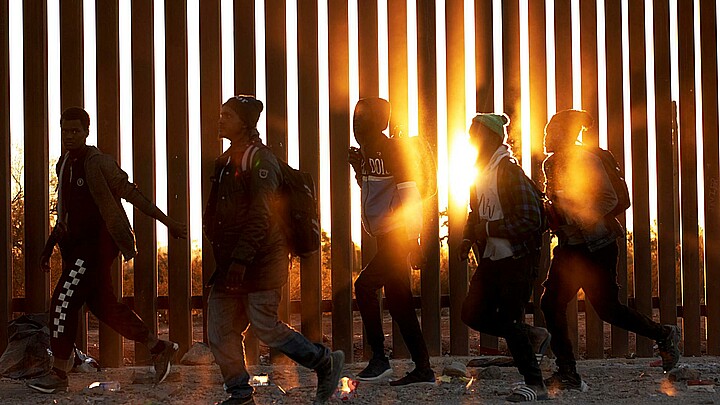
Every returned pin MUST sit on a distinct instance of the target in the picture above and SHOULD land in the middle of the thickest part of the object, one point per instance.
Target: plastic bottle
(111, 386)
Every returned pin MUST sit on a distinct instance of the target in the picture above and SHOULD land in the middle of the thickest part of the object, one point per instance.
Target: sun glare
(462, 168)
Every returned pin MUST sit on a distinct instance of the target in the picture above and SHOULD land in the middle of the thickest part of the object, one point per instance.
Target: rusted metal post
(708, 37)
(342, 324)
(145, 267)
(369, 79)
(640, 185)
(108, 131)
(6, 267)
(276, 112)
(667, 256)
(457, 210)
(428, 128)
(563, 101)
(538, 119)
(616, 144)
(176, 74)
(594, 335)
(35, 89)
(309, 150)
(210, 101)
(398, 78)
(484, 89)
(688, 184)
(244, 33)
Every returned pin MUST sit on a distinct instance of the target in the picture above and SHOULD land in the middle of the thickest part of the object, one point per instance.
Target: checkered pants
(86, 278)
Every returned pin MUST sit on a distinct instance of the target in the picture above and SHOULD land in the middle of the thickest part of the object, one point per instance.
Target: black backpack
(616, 176)
(298, 206)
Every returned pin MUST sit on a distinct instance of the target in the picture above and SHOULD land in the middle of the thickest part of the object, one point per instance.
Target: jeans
(574, 267)
(389, 269)
(495, 305)
(230, 314)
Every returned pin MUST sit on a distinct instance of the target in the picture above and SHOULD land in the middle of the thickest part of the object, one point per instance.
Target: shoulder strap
(248, 156)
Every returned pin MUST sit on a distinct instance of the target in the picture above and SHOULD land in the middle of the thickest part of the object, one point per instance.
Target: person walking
(252, 259)
(391, 210)
(91, 229)
(506, 224)
(586, 256)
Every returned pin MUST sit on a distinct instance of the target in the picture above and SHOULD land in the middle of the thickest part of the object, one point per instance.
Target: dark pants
(574, 267)
(495, 305)
(389, 269)
(86, 278)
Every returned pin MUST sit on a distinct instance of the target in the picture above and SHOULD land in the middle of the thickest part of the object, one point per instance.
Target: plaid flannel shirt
(523, 221)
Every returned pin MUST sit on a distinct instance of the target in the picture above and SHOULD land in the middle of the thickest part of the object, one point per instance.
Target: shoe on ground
(528, 393)
(49, 383)
(566, 381)
(376, 370)
(328, 377)
(540, 341)
(668, 348)
(238, 401)
(161, 361)
(417, 376)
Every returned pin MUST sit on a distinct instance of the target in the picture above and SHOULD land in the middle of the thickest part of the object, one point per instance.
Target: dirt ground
(611, 381)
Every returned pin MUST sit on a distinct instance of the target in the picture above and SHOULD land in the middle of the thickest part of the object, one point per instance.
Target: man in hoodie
(506, 223)
(391, 212)
(92, 229)
(583, 198)
(252, 259)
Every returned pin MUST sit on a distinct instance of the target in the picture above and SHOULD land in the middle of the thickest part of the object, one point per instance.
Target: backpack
(298, 206)
(616, 176)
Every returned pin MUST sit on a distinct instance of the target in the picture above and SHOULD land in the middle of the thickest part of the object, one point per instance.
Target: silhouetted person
(91, 230)
(506, 223)
(391, 212)
(583, 197)
(252, 259)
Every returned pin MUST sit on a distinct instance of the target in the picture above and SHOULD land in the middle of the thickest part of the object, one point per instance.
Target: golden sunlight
(462, 170)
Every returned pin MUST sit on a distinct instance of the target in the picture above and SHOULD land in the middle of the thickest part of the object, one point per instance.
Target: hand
(464, 250)
(417, 257)
(60, 230)
(178, 230)
(481, 231)
(234, 276)
(45, 261)
(355, 159)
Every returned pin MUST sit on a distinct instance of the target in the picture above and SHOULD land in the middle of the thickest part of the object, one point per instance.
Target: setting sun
(462, 168)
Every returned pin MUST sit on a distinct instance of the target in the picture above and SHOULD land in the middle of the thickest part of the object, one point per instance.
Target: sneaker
(540, 341)
(376, 370)
(328, 377)
(49, 383)
(528, 393)
(417, 376)
(566, 381)
(668, 348)
(238, 401)
(161, 361)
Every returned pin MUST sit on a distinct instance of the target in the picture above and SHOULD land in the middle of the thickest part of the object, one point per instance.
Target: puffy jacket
(242, 222)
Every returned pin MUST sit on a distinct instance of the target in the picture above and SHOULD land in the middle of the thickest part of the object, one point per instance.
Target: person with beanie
(252, 258)
(506, 224)
(391, 209)
(582, 198)
(91, 230)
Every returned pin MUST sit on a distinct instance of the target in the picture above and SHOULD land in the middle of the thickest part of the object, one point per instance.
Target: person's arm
(119, 184)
